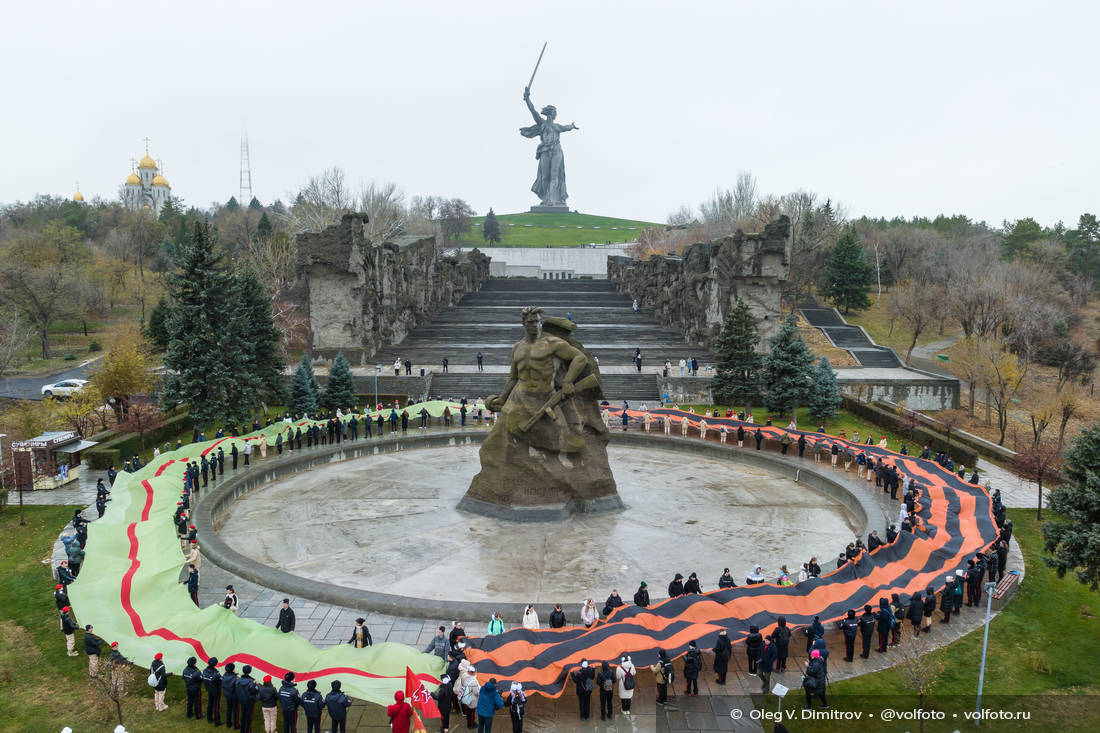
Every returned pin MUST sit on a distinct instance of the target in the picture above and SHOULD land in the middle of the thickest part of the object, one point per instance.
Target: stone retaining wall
(694, 292)
(360, 296)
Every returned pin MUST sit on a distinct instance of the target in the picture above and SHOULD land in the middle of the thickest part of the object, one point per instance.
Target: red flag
(418, 724)
(418, 696)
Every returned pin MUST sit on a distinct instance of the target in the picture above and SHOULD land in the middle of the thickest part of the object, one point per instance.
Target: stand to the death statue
(546, 456)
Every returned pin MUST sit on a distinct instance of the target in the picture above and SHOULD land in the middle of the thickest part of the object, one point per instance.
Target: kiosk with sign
(48, 461)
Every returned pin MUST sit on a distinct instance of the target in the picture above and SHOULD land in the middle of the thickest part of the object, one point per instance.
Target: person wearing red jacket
(400, 713)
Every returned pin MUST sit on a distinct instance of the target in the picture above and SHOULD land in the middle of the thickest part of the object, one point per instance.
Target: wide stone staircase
(851, 338)
(488, 321)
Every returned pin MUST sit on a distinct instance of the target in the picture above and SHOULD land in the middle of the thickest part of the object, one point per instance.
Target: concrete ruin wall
(361, 296)
(695, 291)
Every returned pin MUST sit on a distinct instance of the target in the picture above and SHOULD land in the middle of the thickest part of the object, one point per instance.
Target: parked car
(67, 388)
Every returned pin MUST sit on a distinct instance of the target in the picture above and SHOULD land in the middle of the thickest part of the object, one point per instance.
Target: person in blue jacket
(487, 705)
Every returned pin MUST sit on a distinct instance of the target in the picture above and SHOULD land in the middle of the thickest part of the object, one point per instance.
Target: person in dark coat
(641, 598)
(584, 678)
(337, 704)
(212, 681)
(313, 706)
(693, 665)
(886, 622)
(92, 645)
(246, 691)
(676, 587)
(444, 700)
(233, 453)
(891, 533)
(285, 623)
(692, 585)
(812, 632)
(849, 626)
(158, 672)
(758, 437)
(782, 637)
(753, 642)
(360, 634)
(229, 692)
(867, 623)
(557, 617)
(801, 445)
(613, 601)
(765, 664)
(929, 609)
(289, 700)
(726, 580)
(605, 683)
(814, 680)
(723, 650)
(915, 611)
(192, 685)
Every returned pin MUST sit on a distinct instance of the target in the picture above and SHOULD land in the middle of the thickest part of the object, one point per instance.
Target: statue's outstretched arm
(534, 115)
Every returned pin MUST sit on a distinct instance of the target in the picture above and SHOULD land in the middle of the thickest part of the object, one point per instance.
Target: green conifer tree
(204, 351)
(788, 370)
(157, 330)
(263, 227)
(824, 397)
(1072, 538)
(737, 369)
(261, 376)
(490, 228)
(303, 389)
(848, 274)
(340, 390)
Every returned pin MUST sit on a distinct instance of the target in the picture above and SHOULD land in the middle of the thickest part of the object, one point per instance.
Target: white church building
(145, 189)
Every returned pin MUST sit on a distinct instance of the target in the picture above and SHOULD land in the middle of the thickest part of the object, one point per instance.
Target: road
(30, 388)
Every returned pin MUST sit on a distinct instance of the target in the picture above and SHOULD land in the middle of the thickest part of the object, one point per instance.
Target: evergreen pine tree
(825, 397)
(204, 352)
(788, 370)
(232, 204)
(340, 390)
(490, 228)
(157, 330)
(263, 227)
(848, 274)
(738, 363)
(303, 389)
(261, 369)
(255, 204)
(1073, 541)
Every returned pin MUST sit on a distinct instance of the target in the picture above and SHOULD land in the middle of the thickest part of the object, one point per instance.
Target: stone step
(848, 337)
(500, 354)
(546, 300)
(633, 388)
(822, 317)
(540, 285)
(470, 386)
(876, 358)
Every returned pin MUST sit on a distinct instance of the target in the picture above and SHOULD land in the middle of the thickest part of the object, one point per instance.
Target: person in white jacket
(625, 669)
(467, 690)
(530, 618)
(589, 615)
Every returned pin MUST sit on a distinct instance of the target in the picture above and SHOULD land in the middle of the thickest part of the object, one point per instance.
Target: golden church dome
(133, 180)
(159, 180)
(78, 196)
(147, 162)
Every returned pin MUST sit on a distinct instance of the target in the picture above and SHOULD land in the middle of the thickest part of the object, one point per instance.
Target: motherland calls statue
(549, 184)
(546, 456)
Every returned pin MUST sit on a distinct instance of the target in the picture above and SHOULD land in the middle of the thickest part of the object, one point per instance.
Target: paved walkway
(326, 625)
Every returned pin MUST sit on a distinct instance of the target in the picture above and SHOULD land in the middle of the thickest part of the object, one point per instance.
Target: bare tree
(13, 338)
(114, 682)
(1042, 462)
(914, 305)
(454, 216)
(920, 670)
(321, 202)
(384, 205)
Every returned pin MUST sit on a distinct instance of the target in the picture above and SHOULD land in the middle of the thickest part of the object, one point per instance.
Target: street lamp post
(989, 587)
(377, 371)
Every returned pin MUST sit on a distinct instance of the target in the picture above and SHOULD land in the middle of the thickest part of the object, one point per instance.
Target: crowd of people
(478, 702)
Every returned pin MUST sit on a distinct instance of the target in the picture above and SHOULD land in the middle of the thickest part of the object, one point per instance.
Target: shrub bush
(70, 357)
(94, 347)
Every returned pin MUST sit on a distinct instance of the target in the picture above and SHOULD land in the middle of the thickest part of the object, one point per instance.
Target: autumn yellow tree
(1002, 377)
(125, 372)
(82, 411)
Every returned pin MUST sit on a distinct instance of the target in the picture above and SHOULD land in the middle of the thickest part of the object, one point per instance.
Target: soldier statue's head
(532, 320)
(550, 111)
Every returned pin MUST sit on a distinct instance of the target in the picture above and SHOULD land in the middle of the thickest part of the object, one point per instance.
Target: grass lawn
(1042, 659)
(876, 321)
(557, 230)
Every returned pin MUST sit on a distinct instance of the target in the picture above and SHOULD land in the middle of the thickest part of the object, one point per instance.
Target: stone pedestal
(540, 209)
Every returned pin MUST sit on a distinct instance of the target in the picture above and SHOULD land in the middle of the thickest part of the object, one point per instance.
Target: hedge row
(922, 435)
(116, 450)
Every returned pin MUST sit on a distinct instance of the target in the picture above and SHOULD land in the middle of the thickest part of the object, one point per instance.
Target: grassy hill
(557, 230)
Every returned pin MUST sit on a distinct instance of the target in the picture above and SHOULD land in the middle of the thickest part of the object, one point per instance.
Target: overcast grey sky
(983, 108)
